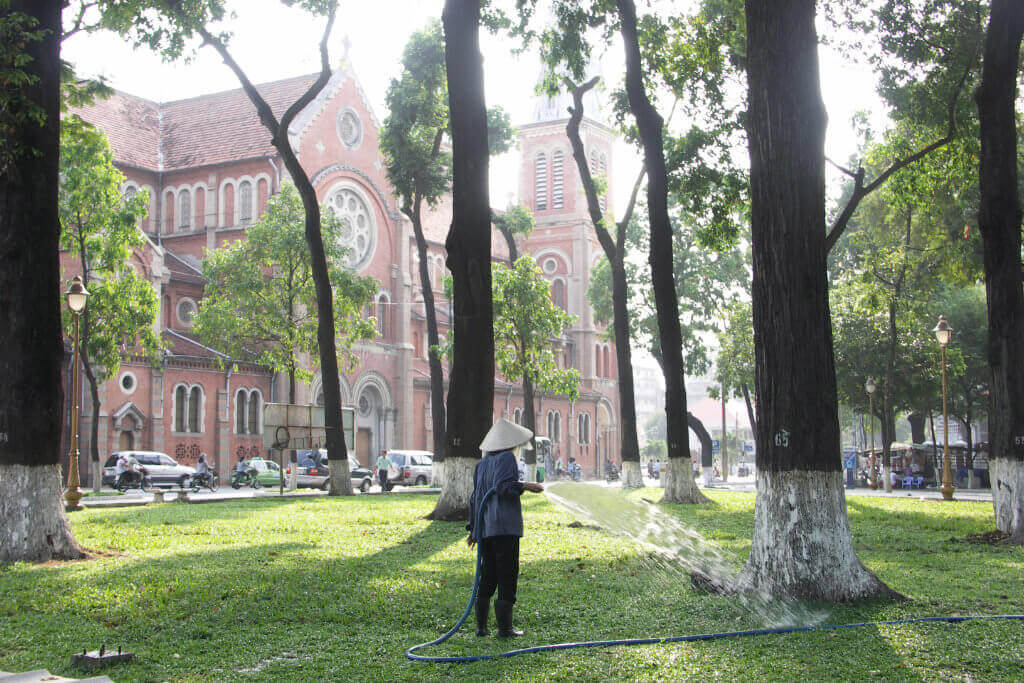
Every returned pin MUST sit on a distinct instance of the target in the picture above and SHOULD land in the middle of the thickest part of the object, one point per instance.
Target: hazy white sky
(272, 42)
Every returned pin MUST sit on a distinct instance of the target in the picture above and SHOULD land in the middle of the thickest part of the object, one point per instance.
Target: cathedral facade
(209, 168)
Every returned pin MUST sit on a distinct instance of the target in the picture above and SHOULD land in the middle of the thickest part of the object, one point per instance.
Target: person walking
(501, 523)
(383, 463)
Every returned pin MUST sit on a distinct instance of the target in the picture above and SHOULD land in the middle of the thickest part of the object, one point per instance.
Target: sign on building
(288, 426)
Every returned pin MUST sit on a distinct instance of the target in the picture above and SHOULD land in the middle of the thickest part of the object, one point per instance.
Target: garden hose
(411, 652)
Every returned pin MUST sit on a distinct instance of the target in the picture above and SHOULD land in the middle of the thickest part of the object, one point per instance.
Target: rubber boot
(503, 615)
(483, 611)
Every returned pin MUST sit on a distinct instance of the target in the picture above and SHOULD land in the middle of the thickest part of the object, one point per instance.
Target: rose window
(357, 233)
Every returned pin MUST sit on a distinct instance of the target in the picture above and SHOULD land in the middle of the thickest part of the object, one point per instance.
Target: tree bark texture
(801, 546)
(649, 125)
(471, 378)
(999, 219)
(33, 526)
(613, 250)
(437, 409)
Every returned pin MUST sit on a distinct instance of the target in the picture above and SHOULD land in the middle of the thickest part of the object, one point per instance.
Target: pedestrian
(383, 463)
(501, 523)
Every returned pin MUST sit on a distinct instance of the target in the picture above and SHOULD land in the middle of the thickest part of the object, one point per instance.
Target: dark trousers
(500, 567)
(383, 476)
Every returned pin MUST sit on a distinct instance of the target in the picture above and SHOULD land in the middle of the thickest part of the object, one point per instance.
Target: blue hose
(411, 652)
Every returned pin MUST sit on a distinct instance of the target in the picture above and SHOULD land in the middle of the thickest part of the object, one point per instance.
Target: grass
(336, 589)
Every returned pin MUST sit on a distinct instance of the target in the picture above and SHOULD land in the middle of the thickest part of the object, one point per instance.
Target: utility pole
(725, 439)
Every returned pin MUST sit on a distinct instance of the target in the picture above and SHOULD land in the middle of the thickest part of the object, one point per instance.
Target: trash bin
(541, 471)
(662, 472)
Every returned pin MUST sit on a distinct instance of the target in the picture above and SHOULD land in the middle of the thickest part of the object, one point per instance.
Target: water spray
(644, 534)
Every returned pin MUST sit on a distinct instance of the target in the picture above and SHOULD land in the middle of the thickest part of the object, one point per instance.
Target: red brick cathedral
(209, 168)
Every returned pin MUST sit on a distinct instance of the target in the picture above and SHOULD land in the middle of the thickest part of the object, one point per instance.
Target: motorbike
(611, 473)
(208, 480)
(247, 478)
(133, 480)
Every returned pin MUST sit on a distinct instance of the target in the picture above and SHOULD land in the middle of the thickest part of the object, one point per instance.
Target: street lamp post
(870, 387)
(943, 332)
(77, 296)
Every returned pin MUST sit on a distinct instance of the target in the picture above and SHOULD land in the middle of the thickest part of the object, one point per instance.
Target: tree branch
(844, 218)
(321, 81)
(263, 110)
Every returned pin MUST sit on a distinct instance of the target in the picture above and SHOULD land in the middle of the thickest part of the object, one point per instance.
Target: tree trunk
(917, 422)
(33, 526)
(337, 453)
(94, 425)
(999, 219)
(529, 421)
(706, 455)
(629, 447)
(750, 407)
(649, 125)
(471, 379)
(802, 546)
(437, 410)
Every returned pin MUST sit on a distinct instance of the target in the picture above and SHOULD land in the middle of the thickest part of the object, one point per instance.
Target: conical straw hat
(504, 435)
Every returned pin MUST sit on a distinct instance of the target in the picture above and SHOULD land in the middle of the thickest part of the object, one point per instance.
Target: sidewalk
(134, 497)
(971, 495)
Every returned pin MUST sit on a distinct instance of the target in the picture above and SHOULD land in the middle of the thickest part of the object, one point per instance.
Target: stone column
(156, 410)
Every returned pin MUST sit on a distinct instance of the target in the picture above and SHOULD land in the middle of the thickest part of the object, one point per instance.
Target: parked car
(313, 471)
(414, 468)
(160, 468)
(267, 471)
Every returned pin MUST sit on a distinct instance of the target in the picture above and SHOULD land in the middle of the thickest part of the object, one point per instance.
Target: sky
(272, 42)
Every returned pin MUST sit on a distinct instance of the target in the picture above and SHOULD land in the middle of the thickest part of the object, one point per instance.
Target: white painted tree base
(680, 486)
(437, 474)
(341, 478)
(887, 478)
(33, 526)
(453, 503)
(801, 547)
(97, 475)
(631, 477)
(1008, 496)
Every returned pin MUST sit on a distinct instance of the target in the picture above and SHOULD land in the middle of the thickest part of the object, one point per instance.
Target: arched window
(517, 416)
(416, 345)
(240, 411)
(583, 428)
(554, 426)
(540, 182)
(608, 362)
(169, 212)
(254, 412)
(245, 202)
(180, 408)
(597, 362)
(130, 192)
(557, 180)
(383, 316)
(195, 404)
(185, 209)
(558, 293)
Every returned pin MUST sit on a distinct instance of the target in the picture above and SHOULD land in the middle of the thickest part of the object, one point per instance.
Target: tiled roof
(181, 269)
(184, 344)
(132, 126)
(203, 130)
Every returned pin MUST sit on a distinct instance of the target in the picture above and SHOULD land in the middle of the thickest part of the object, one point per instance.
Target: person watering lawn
(501, 525)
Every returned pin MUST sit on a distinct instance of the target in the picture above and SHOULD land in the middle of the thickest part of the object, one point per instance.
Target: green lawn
(336, 589)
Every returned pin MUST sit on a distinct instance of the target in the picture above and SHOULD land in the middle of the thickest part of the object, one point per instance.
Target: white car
(160, 468)
(411, 468)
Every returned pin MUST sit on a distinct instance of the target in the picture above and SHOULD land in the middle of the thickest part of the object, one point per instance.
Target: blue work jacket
(503, 513)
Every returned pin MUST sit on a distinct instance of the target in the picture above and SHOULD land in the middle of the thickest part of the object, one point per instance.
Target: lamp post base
(947, 491)
(72, 500)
